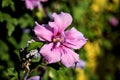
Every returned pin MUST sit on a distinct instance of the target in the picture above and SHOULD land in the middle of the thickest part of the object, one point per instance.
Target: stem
(27, 70)
(75, 66)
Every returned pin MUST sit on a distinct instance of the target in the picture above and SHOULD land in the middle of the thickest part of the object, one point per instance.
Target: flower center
(58, 40)
(55, 40)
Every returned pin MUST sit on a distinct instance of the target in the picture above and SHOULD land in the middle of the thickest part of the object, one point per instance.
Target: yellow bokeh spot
(98, 5)
(81, 74)
(116, 2)
(93, 51)
(40, 13)
(112, 6)
(100, 2)
(95, 7)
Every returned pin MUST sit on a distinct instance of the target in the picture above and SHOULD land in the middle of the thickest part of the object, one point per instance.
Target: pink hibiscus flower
(60, 42)
(31, 4)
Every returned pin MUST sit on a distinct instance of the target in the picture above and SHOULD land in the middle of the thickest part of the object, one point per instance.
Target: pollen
(57, 40)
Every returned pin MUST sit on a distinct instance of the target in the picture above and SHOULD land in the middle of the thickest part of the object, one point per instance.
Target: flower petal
(34, 78)
(52, 55)
(52, 24)
(30, 4)
(61, 21)
(43, 33)
(74, 39)
(43, 0)
(80, 64)
(69, 57)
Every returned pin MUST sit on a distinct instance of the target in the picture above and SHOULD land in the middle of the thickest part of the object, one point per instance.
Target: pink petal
(43, 0)
(61, 21)
(34, 78)
(74, 39)
(30, 4)
(69, 57)
(43, 33)
(51, 54)
(52, 24)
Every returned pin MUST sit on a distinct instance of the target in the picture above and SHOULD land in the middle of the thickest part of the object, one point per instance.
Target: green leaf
(36, 59)
(13, 41)
(34, 45)
(5, 3)
(10, 28)
(61, 75)
(25, 37)
(4, 17)
(14, 78)
(12, 73)
(8, 3)
(14, 21)
(26, 21)
(11, 22)
(53, 74)
(4, 51)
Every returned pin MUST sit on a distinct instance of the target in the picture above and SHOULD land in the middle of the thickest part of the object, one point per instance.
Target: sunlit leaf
(34, 45)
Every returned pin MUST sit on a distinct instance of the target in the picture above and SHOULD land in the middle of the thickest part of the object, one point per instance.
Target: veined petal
(54, 26)
(52, 55)
(74, 39)
(61, 21)
(43, 33)
(69, 57)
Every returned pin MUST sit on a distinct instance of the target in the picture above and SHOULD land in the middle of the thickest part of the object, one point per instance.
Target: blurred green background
(98, 20)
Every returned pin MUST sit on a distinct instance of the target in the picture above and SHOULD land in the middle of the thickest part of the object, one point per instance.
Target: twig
(27, 70)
